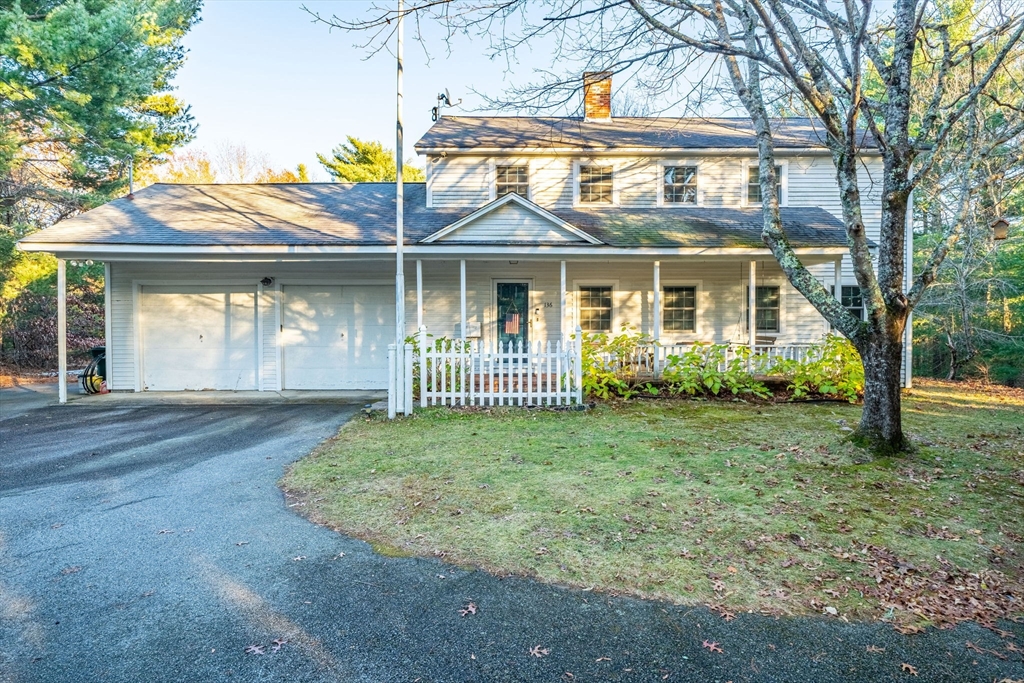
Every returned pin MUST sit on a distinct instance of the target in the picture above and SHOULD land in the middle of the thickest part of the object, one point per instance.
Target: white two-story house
(525, 229)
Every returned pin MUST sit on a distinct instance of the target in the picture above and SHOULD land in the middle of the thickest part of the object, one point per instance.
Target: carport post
(561, 307)
(656, 317)
(419, 294)
(62, 331)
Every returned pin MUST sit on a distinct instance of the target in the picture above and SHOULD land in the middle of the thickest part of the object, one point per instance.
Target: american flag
(511, 323)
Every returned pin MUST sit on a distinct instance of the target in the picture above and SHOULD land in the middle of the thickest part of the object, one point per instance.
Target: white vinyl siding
(510, 222)
(460, 182)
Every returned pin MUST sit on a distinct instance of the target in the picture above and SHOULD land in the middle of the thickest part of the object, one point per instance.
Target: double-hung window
(595, 184)
(853, 301)
(679, 309)
(596, 309)
(509, 179)
(680, 185)
(767, 308)
(754, 183)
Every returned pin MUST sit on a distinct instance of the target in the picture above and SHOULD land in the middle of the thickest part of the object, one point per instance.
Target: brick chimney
(597, 95)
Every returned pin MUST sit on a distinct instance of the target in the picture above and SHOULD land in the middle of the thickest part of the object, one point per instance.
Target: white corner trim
(259, 336)
(492, 179)
(137, 332)
(498, 203)
(278, 337)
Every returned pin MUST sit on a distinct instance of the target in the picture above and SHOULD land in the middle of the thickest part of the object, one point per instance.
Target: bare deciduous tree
(872, 76)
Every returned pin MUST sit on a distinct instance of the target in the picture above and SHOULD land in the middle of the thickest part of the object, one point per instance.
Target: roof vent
(597, 95)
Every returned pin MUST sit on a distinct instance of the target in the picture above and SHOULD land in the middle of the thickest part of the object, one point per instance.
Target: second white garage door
(336, 337)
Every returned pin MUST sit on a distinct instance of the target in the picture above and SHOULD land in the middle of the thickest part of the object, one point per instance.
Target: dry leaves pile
(945, 596)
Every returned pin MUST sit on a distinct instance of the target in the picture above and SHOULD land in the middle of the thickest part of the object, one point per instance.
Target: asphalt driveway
(152, 544)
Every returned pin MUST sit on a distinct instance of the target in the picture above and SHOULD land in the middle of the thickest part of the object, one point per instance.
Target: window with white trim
(595, 184)
(595, 308)
(754, 183)
(509, 179)
(853, 301)
(680, 184)
(679, 309)
(767, 308)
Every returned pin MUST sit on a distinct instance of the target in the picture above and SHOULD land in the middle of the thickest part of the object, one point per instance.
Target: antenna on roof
(444, 99)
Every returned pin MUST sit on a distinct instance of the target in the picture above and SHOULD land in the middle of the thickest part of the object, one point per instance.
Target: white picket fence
(452, 372)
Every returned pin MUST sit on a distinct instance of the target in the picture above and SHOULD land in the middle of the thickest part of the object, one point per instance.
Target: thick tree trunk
(881, 426)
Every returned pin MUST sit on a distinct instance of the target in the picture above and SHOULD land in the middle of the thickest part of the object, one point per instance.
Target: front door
(513, 313)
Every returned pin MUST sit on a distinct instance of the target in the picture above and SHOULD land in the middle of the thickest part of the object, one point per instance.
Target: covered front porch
(496, 331)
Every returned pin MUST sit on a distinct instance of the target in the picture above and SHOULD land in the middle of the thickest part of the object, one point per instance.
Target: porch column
(462, 294)
(419, 294)
(656, 318)
(62, 331)
(561, 306)
(837, 279)
(752, 306)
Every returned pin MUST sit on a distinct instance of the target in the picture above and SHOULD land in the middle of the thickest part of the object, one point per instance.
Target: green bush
(703, 370)
(612, 364)
(831, 369)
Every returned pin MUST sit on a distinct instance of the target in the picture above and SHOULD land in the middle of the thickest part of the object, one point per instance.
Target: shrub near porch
(745, 507)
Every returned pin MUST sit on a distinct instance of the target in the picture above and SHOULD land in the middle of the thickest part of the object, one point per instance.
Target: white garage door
(198, 338)
(336, 337)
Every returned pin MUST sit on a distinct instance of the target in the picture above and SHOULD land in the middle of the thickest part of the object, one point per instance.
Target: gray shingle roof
(341, 214)
(655, 133)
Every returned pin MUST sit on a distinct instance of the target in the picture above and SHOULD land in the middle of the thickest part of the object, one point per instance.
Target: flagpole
(399, 212)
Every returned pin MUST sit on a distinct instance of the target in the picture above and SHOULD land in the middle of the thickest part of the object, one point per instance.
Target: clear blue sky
(261, 73)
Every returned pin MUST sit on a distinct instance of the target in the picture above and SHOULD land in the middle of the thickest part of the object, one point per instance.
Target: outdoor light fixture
(267, 281)
(1000, 228)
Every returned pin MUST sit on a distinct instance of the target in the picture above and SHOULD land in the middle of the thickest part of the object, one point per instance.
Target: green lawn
(736, 505)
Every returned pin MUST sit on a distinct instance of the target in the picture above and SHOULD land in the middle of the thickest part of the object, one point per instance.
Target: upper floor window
(680, 185)
(679, 308)
(754, 183)
(595, 185)
(509, 179)
(596, 309)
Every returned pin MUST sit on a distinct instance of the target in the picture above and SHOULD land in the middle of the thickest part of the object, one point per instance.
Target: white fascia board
(632, 151)
(498, 203)
(446, 251)
(89, 250)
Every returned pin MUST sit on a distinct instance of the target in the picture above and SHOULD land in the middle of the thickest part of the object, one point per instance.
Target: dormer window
(509, 179)
(595, 184)
(754, 183)
(680, 185)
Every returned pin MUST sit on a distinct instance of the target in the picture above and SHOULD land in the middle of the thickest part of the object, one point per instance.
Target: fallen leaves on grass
(907, 668)
(468, 609)
(712, 647)
(945, 596)
(538, 651)
(254, 650)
